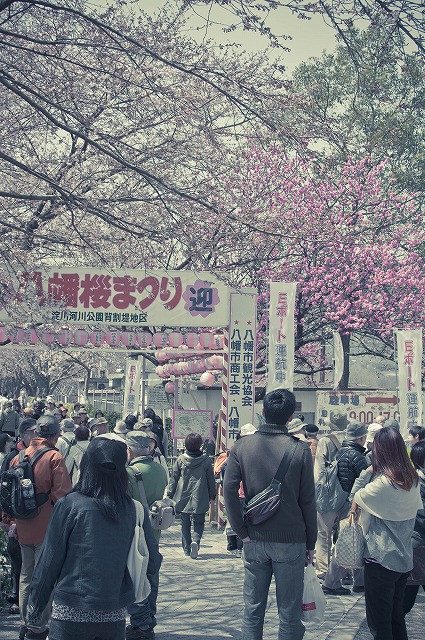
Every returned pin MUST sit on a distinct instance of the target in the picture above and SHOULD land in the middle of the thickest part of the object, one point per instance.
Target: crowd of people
(100, 477)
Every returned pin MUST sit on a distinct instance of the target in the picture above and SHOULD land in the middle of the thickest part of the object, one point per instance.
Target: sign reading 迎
(361, 406)
(124, 297)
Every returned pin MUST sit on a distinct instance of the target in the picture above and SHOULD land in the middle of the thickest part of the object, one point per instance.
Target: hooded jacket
(192, 484)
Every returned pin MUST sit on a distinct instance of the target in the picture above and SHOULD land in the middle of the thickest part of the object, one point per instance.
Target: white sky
(309, 37)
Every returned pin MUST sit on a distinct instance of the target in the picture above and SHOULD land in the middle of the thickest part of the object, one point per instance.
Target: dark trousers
(410, 594)
(198, 528)
(384, 595)
(66, 630)
(14, 551)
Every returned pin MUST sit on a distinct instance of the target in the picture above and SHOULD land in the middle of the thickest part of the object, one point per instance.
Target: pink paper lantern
(144, 339)
(206, 340)
(47, 337)
(97, 338)
(113, 338)
(192, 366)
(207, 379)
(128, 338)
(209, 362)
(191, 339)
(81, 337)
(185, 368)
(160, 372)
(219, 341)
(169, 387)
(17, 335)
(34, 337)
(175, 339)
(64, 337)
(200, 366)
(160, 340)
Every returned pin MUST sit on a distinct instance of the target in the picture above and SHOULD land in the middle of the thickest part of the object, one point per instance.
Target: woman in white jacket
(388, 505)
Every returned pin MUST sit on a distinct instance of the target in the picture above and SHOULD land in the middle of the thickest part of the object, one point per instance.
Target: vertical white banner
(409, 362)
(241, 366)
(338, 359)
(281, 336)
(132, 387)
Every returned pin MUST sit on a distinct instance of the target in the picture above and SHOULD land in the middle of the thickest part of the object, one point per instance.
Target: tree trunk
(343, 384)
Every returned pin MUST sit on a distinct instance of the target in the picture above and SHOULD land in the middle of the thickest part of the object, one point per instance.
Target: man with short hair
(83, 417)
(281, 545)
(154, 480)
(50, 478)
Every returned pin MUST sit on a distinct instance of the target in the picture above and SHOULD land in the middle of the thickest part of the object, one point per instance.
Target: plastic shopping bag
(314, 601)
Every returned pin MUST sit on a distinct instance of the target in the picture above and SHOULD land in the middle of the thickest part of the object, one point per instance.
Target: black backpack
(18, 497)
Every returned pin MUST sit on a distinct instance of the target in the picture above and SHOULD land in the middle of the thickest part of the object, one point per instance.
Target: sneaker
(341, 591)
(186, 553)
(135, 633)
(194, 550)
(14, 609)
(35, 635)
(358, 589)
(238, 553)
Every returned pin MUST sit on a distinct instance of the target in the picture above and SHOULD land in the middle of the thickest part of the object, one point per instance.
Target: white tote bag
(314, 601)
(138, 557)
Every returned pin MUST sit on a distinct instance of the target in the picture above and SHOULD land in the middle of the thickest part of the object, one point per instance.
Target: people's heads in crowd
(6, 442)
(120, 428)
(28, 412)
(416, 433)
(356, 432)
(82, 432)
(130, 421)
(394, 424)
(337, 421)
(149, 413)
(146, 424)
(103, 474)
(8, 406)
(311, 430)
(99, 426)
(82, 414)
(380, 420)
(153, 441)
(50, 403)
(193, 442)
(98, 413)
(390, 458)
(296, 427)
(371, 431)
(279, 407)
(138, 443)
(67, 424)
(417, 455)
(27, 430)
(48, 427)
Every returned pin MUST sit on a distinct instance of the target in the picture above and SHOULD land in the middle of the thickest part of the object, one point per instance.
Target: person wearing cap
(50, 477)
(84, 559)
(311, 431)
(50, 404)
(9, 420)
(327, 448)
(155, 452)
(351, 462)
(83, 417)
(158, 428)
(296, 429)
(121, 429)
(192, 487)
(155, 480)
(76, 452)
(98, 427)
(67, 437)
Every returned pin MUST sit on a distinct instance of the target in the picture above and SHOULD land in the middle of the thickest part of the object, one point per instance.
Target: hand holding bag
(349, 548)
(314, 601)
(138, 557)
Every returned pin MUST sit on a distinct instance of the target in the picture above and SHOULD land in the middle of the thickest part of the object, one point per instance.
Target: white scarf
(381, 499)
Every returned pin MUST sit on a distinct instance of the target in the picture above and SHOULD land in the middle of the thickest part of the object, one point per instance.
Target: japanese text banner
(241, 365)
(124, 297)
(409, 362)
(132, 387)
(338, 359)
(281, 336)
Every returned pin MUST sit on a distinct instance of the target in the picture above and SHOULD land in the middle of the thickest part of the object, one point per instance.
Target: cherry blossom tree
(350, 241)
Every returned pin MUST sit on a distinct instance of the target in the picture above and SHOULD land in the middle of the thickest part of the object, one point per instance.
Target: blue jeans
(198, 528)
(142, 614)
(286, 562)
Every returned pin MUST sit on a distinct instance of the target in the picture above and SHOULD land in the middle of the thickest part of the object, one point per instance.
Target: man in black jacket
(351, 462)
(281, 545)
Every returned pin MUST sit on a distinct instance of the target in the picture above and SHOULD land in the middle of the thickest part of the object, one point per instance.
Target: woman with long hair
(83, 561)
(388, 506)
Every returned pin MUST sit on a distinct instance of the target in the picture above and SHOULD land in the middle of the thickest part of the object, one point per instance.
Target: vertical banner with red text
(409, 361)
(132, 387)
(281, 336)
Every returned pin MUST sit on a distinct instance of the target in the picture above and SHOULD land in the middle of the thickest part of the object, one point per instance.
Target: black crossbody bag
(265, 504)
